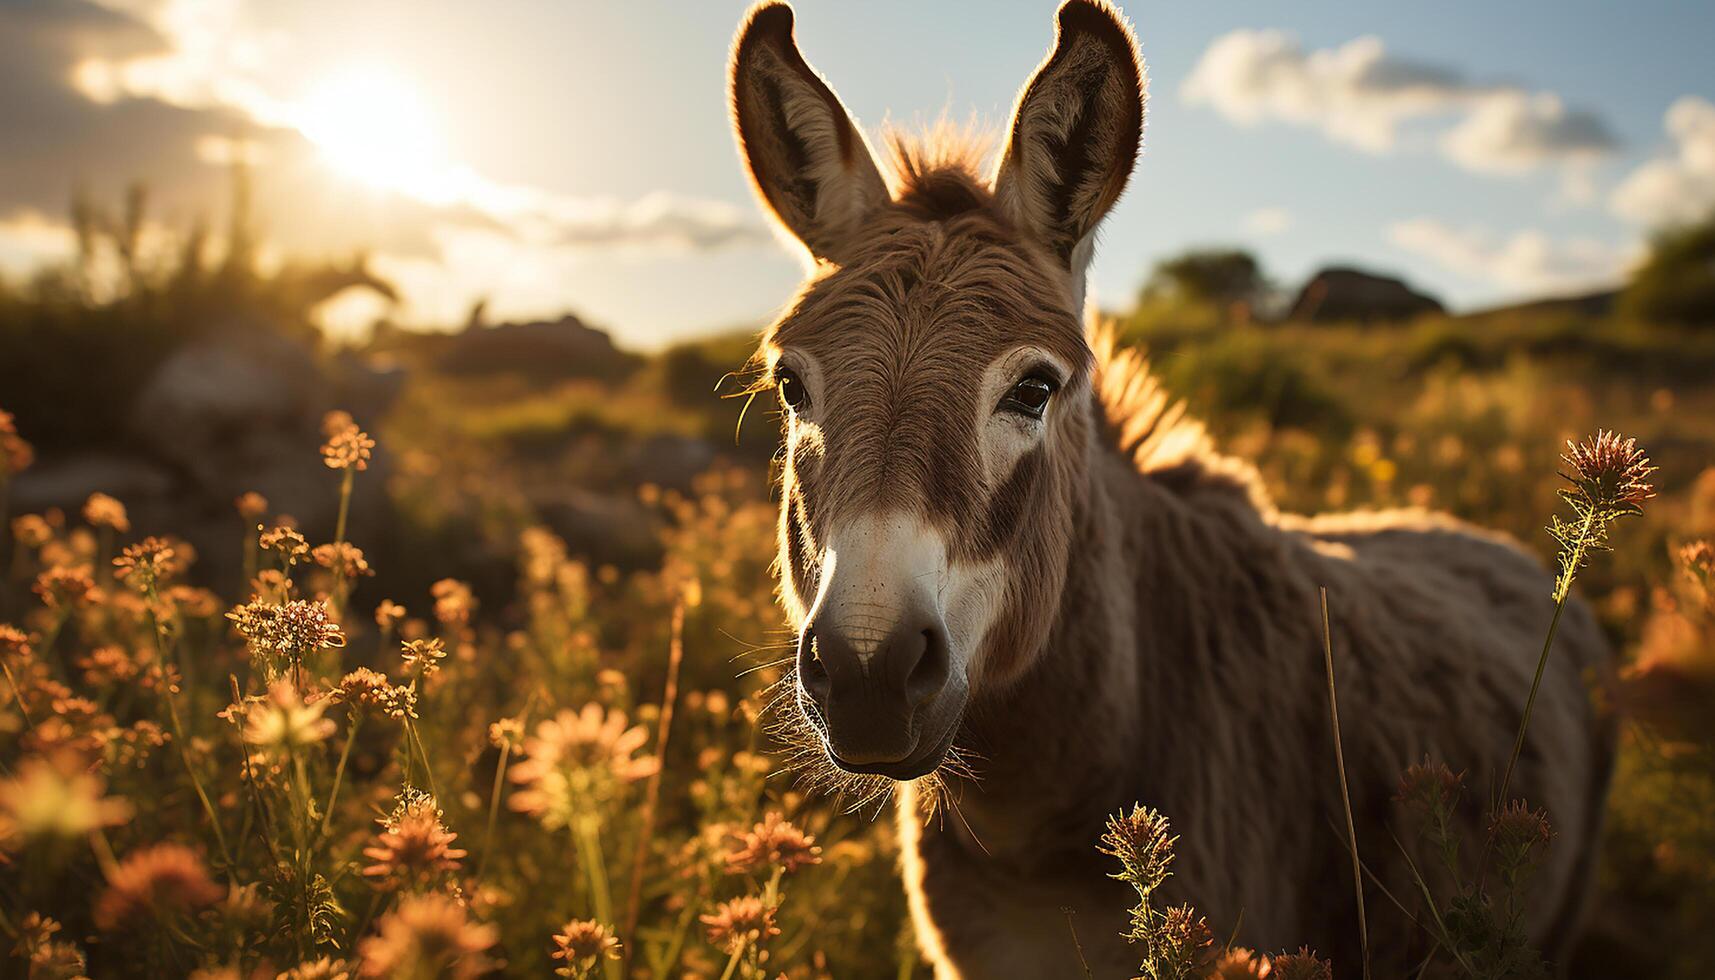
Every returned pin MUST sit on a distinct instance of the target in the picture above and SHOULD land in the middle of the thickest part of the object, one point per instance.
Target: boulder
(1342, 293)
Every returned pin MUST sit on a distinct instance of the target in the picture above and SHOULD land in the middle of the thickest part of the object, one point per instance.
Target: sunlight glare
(374, 127)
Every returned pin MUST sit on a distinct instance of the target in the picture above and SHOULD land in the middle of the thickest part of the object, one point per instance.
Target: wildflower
(348, 447)
(507, 733)
(101, 510)
(146, 563)
(399, 702)
(1238, 963)
(1608, 471)
(57, 961)
(286, 722)
(292, 630)
(343, 559)
(1180, 943)
(286, 541)
(576, 755)
(388, 614)
(774, 843)
(423, 655)
(429, 936)
(1430, 787)
(1142, 842)
(1607, 480)
(32, 530)
(14, 643)
(1302, 965)
(54, 797)
(16, 455)
(583, 943)
(67, 587)
(160, 880)
(454, 602)
(251, 506)
(414, 847)
(362, 687)
(321, 969)
(1698, 560)
(740, 922)
(1517, 833)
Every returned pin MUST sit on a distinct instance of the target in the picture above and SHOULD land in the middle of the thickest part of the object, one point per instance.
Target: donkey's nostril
(929, 674)
(812, 672)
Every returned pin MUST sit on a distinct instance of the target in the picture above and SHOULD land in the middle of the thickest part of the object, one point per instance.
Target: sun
(373, 126)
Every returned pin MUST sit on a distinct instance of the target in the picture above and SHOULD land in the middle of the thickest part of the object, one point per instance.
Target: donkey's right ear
(806, 158)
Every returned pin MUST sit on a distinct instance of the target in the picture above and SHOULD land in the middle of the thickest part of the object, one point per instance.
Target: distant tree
(1677, 283)
(1219, 277)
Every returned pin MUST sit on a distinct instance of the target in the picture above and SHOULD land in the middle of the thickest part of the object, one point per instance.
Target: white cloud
(1678, 187)
(1360, 95)
(1527, 261)
(1268, 221)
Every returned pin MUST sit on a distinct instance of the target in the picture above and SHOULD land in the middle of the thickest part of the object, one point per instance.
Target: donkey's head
(935, 380)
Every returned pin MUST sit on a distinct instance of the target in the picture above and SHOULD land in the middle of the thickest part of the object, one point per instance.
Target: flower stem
(179, 735)
(428, 770)
(1530, 702)
(1345, 791)
(339, 771)
(493, 808)
(732, 961)
(587, 829)
(18, 696)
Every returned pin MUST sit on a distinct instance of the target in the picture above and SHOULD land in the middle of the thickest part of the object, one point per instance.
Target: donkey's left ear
(1075, 132)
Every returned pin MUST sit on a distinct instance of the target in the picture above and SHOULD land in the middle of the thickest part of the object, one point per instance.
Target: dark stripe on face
(1009, 505)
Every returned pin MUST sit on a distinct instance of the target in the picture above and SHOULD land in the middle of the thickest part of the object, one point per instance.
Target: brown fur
(1158, 638)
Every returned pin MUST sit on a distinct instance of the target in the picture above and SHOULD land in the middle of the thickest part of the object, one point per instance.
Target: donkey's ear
(806, 158)
(1075, 132)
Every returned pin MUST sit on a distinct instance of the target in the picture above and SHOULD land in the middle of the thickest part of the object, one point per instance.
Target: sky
(564, 155)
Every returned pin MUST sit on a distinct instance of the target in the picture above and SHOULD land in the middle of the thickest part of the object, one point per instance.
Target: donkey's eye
(791, 388)
(1030, 396)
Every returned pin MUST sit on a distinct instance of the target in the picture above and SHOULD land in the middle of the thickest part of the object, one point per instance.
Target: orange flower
(1302, 965)
(14, 643)
(101, 510)
(582, 943)
(15, 454)
(740, 922)
(66, 588)
(578, 756)
(290, 545)
(252, 506)
(454, 602)
(388, 614)
(348, 447)
(344, 559)
(56, 797)
(414, 847)
(429, 936)
(1608, 471)
(157, 881)
(773, 843)
(149, 561)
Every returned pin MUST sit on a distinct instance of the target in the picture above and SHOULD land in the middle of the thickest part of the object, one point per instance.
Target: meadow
(484, 687)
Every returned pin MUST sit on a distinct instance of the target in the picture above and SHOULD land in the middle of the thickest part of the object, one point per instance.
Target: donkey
(1025, 582)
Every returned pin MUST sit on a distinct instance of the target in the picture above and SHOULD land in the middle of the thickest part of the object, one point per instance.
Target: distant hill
(1597, 304)
(1346, 294)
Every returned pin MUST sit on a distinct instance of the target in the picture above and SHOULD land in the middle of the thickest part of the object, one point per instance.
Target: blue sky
(559, 154)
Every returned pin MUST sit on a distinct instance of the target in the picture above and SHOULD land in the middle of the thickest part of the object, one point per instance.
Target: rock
(546, 349)
(1342, 293)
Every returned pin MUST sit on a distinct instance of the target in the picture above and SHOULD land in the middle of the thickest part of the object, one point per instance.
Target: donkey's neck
(1112, 711)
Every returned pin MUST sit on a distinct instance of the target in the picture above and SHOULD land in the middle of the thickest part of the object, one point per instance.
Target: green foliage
(1676, 284)
(1217, 277)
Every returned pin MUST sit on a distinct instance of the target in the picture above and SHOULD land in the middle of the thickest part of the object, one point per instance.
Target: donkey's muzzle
(875, 689)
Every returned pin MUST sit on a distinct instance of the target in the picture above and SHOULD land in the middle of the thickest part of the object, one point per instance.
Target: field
(481, 680)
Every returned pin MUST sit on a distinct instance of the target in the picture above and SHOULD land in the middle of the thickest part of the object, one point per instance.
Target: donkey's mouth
(922, 761)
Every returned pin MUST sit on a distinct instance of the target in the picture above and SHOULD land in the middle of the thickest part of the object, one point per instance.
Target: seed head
(14, 643)
(507, 733)
(1608, 472)
(293, 630)
(1143, 842)
(1302, 965)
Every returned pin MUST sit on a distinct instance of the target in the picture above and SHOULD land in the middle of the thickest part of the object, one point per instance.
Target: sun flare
(374, 127)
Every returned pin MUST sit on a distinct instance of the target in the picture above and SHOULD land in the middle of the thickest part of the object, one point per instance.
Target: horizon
(1440, 147)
